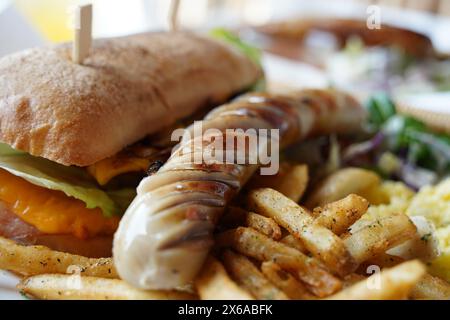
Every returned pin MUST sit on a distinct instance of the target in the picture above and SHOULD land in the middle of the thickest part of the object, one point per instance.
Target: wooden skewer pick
(173, 15)
(83, 33)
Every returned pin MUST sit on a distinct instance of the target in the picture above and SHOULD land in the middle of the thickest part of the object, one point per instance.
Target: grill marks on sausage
(209, 181)
(275, 112)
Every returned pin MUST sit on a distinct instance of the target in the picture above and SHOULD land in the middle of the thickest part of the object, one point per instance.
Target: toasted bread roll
(127, 88)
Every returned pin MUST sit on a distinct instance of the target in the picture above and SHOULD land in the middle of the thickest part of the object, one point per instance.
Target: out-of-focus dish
(358, 59)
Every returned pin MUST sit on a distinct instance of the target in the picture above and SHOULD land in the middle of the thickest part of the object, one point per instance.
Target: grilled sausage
(166, 233)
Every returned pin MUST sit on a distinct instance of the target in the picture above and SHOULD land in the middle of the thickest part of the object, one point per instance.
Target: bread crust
(127, 88)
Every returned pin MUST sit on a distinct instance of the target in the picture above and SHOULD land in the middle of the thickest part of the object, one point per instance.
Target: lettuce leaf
(253, 53)
(122, 197)
(250, 51)
(73, 181)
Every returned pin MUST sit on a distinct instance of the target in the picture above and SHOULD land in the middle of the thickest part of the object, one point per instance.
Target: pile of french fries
(273, 248)
(267, 247)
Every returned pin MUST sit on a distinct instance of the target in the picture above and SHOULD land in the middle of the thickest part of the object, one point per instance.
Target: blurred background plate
(8, 289)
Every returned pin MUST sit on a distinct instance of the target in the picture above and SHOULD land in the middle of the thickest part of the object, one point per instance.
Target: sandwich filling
(51, 211)
(52, 199)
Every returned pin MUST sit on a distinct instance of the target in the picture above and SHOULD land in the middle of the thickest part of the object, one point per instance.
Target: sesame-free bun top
(127, 88)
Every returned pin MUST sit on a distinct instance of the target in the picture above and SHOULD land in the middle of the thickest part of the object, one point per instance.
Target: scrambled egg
(433, 202)
(385, 199)
(388, 198)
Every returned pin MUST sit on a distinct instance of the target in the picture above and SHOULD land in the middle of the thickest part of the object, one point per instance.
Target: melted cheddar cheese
(104, 170)
(52, 211)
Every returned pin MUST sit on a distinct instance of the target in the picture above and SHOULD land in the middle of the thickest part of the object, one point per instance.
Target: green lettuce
(253, 53)
(122, 197)
(73, 181)
(250, 51)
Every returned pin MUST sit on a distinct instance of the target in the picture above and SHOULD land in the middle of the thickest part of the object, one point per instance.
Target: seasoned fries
(213, 283)
(256, 245)
(74, 287)
(391, 284)
(277, 250)
(382, 260)
(431, 288)
(352, 279)
(33, 260)
(293, 242)
(285, 281)
(338, 216)
(240, 217)
(379, 236)
(320, 241)
(251, 278)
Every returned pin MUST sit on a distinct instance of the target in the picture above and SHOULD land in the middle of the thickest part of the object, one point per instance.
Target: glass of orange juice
(50, 17)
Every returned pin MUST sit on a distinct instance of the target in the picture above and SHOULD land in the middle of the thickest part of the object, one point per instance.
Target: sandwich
(77, 139)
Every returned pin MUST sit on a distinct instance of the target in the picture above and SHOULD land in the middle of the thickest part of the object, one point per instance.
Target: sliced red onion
(357, 149)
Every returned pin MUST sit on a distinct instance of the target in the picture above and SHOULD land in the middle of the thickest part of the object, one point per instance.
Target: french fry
(382, 260)
(352, 279)
(342, 183)
(358, 225)
(291, 180)
(260, 247)
(248, 275)
(293, 288)
(424, 245)
(293, 242)
(213, 283)
(338, 216)
(74, 287)
(390, 284)
(239, 217)
(320, 241)
(33, 260)
(431, 288)
(379, 236)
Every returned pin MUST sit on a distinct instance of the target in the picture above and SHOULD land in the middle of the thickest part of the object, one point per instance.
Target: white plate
(8, 284)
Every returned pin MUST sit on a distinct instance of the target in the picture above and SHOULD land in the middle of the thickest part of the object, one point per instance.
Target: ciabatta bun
(127, 88)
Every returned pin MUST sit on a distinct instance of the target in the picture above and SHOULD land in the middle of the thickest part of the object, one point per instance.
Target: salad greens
(253, 53)
(380, 109)
(419, 144)
(401, 146)
(250, 51)
(73, 181)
